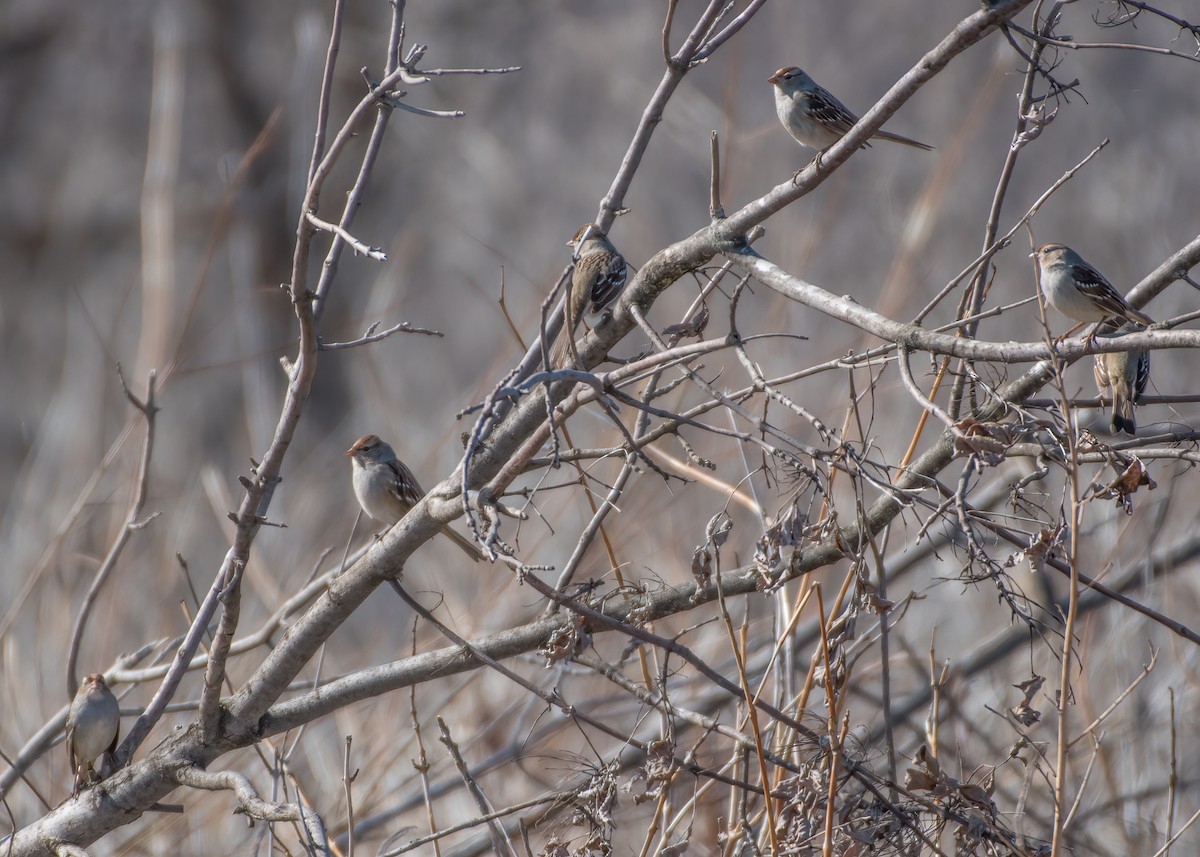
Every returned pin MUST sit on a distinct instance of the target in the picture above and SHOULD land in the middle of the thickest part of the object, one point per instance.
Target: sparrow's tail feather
(904, 141)
(468, 547)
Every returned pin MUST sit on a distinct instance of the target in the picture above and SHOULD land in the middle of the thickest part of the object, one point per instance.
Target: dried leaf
(1024, 711)
(702, 569)
(927, 760)
(717, 529)
(917, 780)
(987, 441)
(656, 774)
(1131, 475)
(715, 534)
(1041, 547)
(977, 795)
(565, 643)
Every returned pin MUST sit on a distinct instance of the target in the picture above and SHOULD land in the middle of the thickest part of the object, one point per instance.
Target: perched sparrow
(816, 119)
(1126, 374)
(92, 726)
(1079, 291)
(596, 281)
(386, 489)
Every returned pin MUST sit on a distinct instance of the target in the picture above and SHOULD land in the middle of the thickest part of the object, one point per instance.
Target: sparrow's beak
(1033, 255)
(775, 78)
(351, 451)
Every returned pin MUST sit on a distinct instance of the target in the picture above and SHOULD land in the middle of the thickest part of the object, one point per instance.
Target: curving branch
(253, 806)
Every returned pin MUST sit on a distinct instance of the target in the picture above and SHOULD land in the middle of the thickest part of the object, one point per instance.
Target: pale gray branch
(252, 805)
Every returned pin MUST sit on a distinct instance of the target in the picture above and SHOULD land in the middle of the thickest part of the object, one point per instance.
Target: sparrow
(386, 489)
(814, 117)
(1123, 375)
(92, 726)
(597, 280)
(1079, 291)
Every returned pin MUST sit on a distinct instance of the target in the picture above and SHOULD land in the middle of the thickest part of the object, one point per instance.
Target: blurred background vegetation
(129, 236)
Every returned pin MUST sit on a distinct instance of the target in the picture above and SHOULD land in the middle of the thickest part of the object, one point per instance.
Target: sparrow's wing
(406, 487)
(1100, 370)
(409, 491)
(608, 281)
(70, 745)
(1093, 284)
(824, 108)
(1142, 378)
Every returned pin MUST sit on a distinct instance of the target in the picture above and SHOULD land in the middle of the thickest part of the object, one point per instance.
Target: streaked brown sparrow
(386, 489)
(92, 726)
(1079, 291)
(1123, 376)
(814, 117)
(597, 280)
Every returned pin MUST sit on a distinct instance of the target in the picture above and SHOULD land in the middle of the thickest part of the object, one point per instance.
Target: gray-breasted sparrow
(386, 489)
(1123, 375)
(92, 726)
(596, 281)
(1079, 291)
(814, 117)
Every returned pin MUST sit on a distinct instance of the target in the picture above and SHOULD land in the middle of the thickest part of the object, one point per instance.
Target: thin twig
(133, 523)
